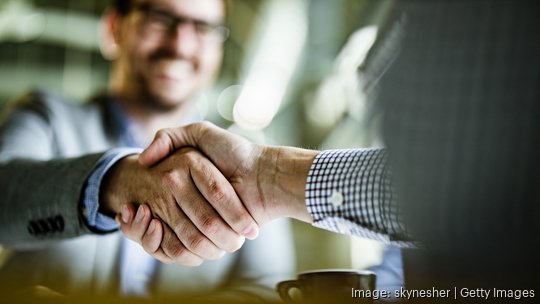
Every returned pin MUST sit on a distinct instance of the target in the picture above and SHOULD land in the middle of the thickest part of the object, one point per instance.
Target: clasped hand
(187, 205)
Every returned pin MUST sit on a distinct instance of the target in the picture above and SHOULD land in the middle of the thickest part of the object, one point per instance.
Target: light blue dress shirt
(390, 272)
(137, 268)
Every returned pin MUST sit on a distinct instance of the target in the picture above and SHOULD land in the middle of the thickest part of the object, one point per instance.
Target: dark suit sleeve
(40, 199)
(40, 187)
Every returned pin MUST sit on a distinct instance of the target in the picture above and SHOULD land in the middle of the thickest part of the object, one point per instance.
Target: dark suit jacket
(461, 96)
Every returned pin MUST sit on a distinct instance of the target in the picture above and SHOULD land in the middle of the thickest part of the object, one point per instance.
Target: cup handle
(284, 287)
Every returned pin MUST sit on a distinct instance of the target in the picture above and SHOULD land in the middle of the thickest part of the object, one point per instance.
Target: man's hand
(137, 224)
(270, 181)
(183, 191)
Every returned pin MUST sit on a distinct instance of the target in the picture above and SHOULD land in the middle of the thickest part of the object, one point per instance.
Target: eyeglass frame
(222, 31)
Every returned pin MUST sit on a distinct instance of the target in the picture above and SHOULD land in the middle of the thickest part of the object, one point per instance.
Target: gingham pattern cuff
(95, 219)
(350, 192)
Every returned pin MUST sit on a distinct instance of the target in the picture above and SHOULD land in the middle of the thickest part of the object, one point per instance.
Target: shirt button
(336, 199)
(85, 213)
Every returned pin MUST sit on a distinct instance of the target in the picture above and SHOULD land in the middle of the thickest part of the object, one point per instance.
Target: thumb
(165, 142)
(168, 140)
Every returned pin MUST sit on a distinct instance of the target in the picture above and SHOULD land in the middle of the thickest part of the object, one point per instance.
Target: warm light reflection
(226, 100)
(278, 43)
(339, 91)
(260, 98)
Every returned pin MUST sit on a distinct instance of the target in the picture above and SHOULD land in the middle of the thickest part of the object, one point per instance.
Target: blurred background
(291, 76)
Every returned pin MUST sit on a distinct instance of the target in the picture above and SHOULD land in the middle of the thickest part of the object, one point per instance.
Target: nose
(184, 41)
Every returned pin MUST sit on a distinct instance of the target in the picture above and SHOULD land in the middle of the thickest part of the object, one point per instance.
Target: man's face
(170, 49)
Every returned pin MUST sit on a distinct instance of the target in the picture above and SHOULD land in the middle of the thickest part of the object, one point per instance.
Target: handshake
(201, 191)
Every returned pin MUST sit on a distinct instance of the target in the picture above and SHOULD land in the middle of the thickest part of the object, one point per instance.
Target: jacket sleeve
(40, 199)
(40, 188)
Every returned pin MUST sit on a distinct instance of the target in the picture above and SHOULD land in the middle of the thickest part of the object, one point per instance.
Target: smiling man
(66, 170)
(156, 68)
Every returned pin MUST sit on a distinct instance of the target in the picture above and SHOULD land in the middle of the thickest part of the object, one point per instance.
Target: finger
(180, 186)
(127, 213)
(148, 242)
(162, 257)
(212, 227)
(125, 219)
(187, 234)
(162, 145)
(168, 140)
(151, 242)
(208, 221)
(175, 250)
(152, 237)
(140, 223)
(217, 190)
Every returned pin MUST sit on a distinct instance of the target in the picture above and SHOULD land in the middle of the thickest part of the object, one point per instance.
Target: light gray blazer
(48, 147)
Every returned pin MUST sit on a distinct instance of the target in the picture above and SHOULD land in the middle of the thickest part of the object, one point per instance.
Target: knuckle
(204, 124)
(197, 243)
(178, 252)
(190, 157)
(170, 178)
(217, 192)
(211, 225)
(162, 133)
(241, 219)
(186, 156)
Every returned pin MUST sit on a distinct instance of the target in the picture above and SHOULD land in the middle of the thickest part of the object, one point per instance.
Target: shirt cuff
(350, 191)
(94, 218)
(331, 184)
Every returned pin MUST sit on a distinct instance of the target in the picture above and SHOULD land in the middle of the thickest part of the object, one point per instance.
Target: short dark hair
(123, 6)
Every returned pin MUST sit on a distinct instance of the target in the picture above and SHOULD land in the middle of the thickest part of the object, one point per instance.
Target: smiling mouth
(175, 70)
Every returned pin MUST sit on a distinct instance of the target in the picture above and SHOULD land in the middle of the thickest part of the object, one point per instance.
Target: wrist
(283, 181)
(113, 190)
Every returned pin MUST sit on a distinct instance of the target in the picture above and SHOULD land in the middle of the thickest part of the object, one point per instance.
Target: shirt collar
(131, 134)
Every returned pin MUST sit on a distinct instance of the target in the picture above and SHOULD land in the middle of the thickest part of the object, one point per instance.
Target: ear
(109, 30)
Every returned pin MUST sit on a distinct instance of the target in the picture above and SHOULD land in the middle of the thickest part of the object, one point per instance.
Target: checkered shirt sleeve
(350, 192)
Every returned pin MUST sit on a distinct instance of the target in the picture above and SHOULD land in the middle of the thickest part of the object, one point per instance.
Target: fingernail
(152, 227)
(140, 214)
(125, 214)
(251, 232)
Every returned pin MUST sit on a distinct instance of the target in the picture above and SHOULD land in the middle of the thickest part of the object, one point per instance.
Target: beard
(166, 82)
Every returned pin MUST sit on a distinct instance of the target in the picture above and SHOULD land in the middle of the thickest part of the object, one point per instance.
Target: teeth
(177, 69)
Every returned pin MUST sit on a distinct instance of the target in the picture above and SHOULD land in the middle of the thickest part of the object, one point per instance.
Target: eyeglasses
(159, 22)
